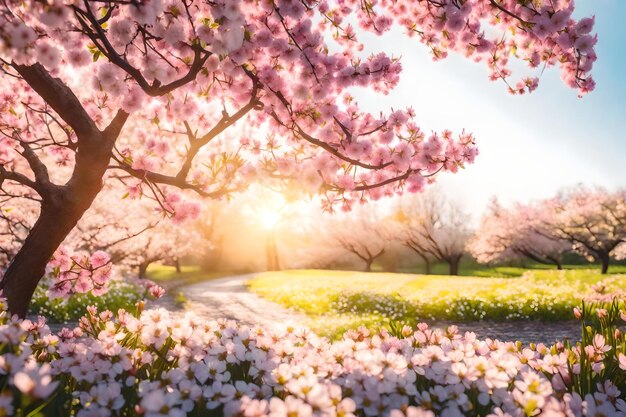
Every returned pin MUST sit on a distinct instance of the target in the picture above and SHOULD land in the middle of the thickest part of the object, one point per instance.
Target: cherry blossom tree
(620, 252)
(210, 232)
(139, 238)
(593, 221)
(364, 235)
(434, 228)
(148, 93)
(165, 243)
(103, 229)
(412, 241)
(16, 214)
(517, 232)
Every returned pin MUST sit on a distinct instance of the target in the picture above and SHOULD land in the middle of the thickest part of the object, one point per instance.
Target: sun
(269, 218)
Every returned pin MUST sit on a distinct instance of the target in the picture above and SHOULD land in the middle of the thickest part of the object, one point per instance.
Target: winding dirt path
(229, 298)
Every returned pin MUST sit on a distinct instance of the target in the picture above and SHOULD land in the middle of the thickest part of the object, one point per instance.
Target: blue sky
(532, 145)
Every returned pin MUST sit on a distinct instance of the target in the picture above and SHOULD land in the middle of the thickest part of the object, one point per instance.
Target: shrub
(121, 294)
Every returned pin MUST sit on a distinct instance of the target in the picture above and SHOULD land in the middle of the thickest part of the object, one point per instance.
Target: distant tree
(364, 235)
(516, 233)
(409, 238)
(434, 228)
(209, 227)
(139, 238)
(593, 221)
(166, 243)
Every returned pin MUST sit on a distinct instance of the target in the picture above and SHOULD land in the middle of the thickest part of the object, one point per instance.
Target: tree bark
(61, 209)
(29, 264)
(143, 269)
(605, 260)
(56, 220)
(454, 265)
(556, 261)
(426, 264)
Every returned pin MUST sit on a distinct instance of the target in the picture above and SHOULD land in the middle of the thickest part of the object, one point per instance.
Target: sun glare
(269, 218)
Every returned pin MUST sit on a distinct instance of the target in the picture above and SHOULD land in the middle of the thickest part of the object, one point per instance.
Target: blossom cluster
(187, 71)
(121, 293)
(75, 272)
(154, 365)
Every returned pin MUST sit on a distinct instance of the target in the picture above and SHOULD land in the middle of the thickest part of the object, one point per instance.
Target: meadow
(471, 268)
(169, 277)
(336, 301)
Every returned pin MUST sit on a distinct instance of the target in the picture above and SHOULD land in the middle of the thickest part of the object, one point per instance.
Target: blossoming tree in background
(148, 92)
(138, 238)
(506, 234)
(592, 221)
(434, 228)
(366, 236)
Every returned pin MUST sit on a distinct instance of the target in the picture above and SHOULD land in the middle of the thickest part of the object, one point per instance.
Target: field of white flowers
(338, 300)
(147, 364)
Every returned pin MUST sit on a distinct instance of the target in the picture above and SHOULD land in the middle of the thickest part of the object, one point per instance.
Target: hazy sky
(532, 145)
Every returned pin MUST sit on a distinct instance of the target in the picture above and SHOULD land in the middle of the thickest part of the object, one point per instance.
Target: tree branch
(60, 97)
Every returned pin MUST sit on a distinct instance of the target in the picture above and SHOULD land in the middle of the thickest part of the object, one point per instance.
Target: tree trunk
(61, 210)
(368, 265)
(143, 269)
(29, 264)
(605, 259)
(556, 261)
(454, 266)
(426, 264)
(177, 265)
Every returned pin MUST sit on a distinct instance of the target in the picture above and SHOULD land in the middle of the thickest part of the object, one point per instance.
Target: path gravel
(229, 298)
(524, 331)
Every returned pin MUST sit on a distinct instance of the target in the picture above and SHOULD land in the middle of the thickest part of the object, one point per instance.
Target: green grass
(121, 294)
(338, 300)
(477, 270)
(190, 274)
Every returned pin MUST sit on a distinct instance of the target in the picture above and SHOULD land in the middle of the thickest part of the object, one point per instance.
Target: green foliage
(180, 300)
(600, 323)
(121, 294)
(339, 300)
(189, 274)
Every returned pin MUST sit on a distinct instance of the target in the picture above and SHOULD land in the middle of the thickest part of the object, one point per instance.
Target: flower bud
(577, 313)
